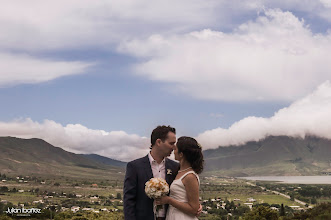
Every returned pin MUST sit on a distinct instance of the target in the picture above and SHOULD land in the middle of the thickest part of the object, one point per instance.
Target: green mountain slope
(36, 156)
(279, 155)
(105, 160)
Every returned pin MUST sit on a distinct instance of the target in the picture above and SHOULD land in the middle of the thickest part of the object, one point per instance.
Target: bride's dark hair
(192, 152)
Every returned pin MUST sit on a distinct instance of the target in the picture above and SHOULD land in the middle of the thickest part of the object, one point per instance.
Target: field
(101, 196)
(235, 189)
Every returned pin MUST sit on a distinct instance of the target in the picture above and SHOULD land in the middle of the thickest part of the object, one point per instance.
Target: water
(293, 179)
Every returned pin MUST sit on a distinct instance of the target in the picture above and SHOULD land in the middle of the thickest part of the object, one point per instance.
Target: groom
(137, 206)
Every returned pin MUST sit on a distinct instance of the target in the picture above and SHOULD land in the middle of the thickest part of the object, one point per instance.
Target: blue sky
(109, 97)
(99, 77)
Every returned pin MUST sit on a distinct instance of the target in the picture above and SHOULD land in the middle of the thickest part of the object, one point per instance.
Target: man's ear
(158, 141)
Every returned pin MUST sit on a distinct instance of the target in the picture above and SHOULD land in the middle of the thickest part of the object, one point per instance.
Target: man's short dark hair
(161, 132)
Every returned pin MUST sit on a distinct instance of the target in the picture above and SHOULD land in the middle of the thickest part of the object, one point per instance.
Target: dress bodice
(177, 188)
(178, 192)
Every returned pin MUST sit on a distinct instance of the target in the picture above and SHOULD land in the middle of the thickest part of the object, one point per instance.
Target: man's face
(168, 145)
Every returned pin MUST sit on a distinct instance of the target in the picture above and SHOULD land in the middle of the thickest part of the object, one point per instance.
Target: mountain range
(274, 155)
(37, 157)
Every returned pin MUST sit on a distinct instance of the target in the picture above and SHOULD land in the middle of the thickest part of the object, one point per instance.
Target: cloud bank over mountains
(310, 115)
(307, 116)
(79, 139)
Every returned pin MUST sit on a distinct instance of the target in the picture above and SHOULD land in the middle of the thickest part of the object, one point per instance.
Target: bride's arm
(192, 191)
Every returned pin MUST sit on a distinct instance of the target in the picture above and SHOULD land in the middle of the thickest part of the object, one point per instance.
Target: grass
(260, 198)
(323, 200)
(16, 198)
(105, 188)
(231, 189)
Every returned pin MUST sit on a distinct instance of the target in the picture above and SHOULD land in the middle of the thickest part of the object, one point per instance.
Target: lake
(292, 179)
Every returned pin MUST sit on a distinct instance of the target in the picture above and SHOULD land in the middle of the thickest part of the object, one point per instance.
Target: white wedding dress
(178, 192)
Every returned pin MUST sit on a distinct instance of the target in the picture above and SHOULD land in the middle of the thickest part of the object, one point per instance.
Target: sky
(99, 76)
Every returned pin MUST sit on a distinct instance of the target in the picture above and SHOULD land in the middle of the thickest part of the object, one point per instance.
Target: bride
(184, 190)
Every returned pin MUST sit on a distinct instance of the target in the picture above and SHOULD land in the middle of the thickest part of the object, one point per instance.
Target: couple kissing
(183, 201)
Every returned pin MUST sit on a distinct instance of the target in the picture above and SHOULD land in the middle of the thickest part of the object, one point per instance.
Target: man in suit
(137, 206)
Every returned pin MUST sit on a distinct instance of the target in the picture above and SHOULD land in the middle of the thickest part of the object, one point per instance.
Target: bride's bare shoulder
(191, 177)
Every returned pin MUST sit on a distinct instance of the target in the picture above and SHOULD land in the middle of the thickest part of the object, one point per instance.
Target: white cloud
(79, 139)
(17, 69)
(47, 24)
(306, 8)
(326, 3)
(310, 115)
(260, 60)
(44, 25)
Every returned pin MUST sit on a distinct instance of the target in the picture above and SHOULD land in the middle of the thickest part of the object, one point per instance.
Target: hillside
(105, 160)
(36, 156)
(280, 155)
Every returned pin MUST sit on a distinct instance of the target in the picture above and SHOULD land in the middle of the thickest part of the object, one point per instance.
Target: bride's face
(178, 156)
(176, 153)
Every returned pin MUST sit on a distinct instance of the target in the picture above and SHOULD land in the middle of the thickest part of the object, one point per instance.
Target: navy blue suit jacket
(137, 206)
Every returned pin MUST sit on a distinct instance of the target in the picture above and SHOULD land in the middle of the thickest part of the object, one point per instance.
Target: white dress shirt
(158, 170)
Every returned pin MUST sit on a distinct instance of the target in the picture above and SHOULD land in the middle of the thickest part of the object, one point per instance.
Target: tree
(321, 211)
(232, 205)
(3, 189)
(282, 210)
(313, 201)
(241, 210)
(118, 196)
(292, 197)
(310, 191)
(261, 213)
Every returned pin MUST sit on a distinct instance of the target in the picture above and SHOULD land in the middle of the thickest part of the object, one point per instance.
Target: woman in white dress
(184, 190)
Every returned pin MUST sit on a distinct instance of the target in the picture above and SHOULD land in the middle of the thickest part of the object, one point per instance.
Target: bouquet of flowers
(156, 188)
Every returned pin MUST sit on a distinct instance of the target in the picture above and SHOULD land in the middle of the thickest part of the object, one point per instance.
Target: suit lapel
(167, 167)
(148, 168)
(171, 171)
